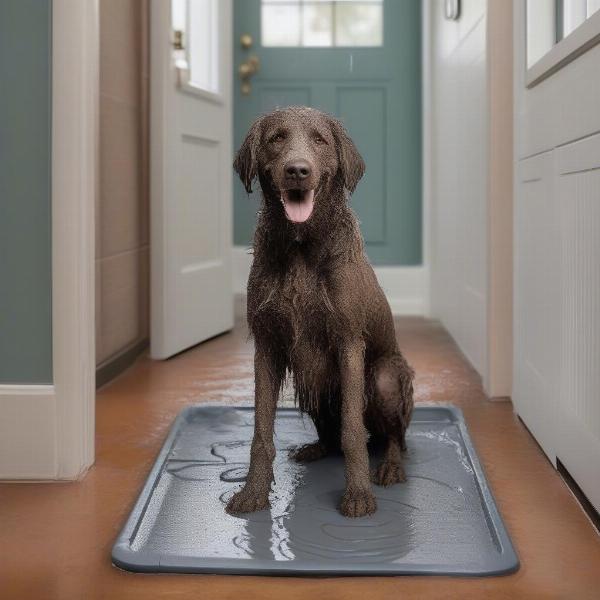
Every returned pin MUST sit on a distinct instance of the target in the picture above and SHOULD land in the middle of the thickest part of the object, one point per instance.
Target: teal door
(360, 61)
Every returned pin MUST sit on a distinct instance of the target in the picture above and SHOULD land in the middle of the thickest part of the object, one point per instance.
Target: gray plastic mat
(442, 521)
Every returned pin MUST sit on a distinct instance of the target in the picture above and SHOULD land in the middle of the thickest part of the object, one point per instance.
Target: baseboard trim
(28, 432)
(118, 363)
(588, 508)
(405, 287)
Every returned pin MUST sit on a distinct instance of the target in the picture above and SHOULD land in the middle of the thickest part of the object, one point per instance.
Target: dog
(316, 311)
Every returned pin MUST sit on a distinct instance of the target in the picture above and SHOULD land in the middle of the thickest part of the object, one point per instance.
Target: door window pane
(592, 7)
(321, 23)
(542, 29)
(358, 24)
(317, 24)
(195, 26)
(280, 24)
(178, 14)
(548, 22)
(573, 15)
(203, 48)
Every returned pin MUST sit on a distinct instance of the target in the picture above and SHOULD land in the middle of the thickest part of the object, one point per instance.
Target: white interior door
(191, 115)
(557, 242)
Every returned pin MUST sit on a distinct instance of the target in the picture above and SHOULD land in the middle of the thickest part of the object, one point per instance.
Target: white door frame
(47, 431)
(426, 147)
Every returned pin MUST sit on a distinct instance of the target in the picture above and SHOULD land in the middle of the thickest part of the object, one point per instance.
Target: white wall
(458, 291)
(471, 196)
(557, 253)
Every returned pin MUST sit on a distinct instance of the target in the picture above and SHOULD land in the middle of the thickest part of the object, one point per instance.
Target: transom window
(321, 23)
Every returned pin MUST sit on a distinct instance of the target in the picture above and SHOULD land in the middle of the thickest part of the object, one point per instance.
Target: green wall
(25, 188)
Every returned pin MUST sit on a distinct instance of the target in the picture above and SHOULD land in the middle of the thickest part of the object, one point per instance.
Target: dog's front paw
(388, 473)
(247, 500)
(358, 503)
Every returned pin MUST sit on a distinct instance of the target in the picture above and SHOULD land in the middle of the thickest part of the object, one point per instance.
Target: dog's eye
(278, 137)
(319, 140)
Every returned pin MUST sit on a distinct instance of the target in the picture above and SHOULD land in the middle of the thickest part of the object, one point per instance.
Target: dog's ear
(245, 164)
(352, 165)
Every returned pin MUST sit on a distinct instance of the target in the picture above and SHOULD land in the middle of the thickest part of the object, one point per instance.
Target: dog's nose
(298, 169)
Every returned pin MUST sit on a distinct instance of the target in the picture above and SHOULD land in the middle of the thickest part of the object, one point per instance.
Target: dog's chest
(305, 304)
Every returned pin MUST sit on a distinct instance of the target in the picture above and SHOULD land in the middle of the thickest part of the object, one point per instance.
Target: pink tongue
(299, 209)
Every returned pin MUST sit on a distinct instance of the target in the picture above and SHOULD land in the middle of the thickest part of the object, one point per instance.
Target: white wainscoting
(27, 432)
(406, 288)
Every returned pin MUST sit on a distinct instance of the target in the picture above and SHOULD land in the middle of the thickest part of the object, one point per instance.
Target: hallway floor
(55, 538)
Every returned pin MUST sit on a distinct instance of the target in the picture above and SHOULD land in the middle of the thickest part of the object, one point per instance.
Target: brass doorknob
(246, 41)
(178, 39)
(246, 70)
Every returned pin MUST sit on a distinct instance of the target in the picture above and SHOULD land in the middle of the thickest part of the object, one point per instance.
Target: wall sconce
(452, 9)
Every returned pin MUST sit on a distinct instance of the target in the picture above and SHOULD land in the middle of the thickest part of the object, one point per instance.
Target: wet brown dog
(315, 309)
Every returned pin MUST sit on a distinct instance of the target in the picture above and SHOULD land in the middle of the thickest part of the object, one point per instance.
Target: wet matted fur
(316, 311)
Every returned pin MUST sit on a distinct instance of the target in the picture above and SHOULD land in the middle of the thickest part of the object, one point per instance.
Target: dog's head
(299, 155)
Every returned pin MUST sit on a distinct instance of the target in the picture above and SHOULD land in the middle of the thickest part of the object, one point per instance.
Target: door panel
(191, 289)
(370, 203)
(536, 370)
(557, 283)
(376, 91)
(194, 249)
(578, 411)
(283, 96)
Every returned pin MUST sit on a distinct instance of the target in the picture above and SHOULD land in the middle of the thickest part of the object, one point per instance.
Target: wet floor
(56, 538)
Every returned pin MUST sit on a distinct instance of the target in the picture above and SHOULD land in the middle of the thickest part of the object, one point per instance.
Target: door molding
(47, 431)
(426, 148)
(75, 135)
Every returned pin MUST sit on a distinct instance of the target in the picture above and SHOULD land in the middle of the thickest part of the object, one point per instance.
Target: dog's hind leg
(390, 470)
(309, 452)
(328, 430)
(391, 405)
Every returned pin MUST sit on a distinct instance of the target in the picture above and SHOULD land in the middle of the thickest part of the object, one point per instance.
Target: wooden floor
(55, 539)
